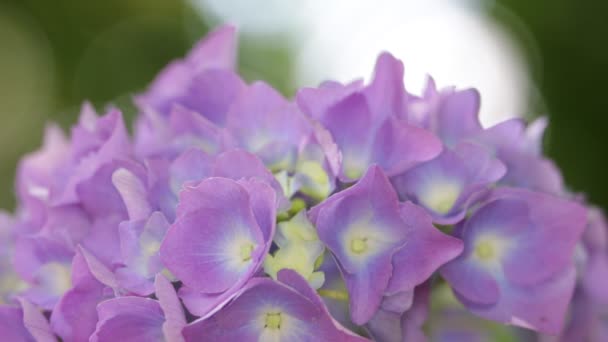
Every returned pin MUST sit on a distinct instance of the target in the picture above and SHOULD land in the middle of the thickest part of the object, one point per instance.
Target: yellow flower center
(485, 250)
(273, 320)
(358, 245)
(441, 197)
(246, 251)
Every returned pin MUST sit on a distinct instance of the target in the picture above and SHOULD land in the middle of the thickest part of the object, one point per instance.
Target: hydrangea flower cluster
(235, 214)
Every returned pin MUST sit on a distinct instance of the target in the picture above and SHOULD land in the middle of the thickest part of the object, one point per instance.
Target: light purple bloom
(519, 148)
(383, 248)
(287, 310)
(517, 264)
(447, 185)
(52, 176)
(109, 237)
(451, 114)
(181, 130)
(140, 244)
(223, 230)
(203, 82)
(365, 127)
(454, 116)
(168, 178)
(96, 141)
(194, 166)
(264, 123)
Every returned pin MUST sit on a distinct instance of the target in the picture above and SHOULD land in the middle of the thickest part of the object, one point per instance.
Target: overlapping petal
(223, 230)
(508, 271)
(141, 319)
(376, 242)
(447, 185)
(268, 310)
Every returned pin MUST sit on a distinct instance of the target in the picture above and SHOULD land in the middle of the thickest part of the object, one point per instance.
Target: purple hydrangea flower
(140, 244)
(264, 123)
(364, 124)
(267, 310)
(53, 175)
(519, 148)
(181, 130)
(453, 115)
(447, 185)
(223, 230)
(110, 237)
(203, 82)
(383, 248)
(517, 263)
(192, 167)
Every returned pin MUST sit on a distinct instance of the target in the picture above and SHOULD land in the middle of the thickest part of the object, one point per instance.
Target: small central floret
(246, 251)
(273, 320)
(441, 197)
(358, 245)
(485, 250)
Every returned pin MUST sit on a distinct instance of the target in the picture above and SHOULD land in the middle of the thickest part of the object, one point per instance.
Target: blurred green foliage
(570, 39)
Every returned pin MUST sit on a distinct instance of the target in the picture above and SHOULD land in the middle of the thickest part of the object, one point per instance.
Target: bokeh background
(528, 58)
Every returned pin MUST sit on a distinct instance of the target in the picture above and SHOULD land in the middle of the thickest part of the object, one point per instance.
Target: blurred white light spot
(454, 41)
